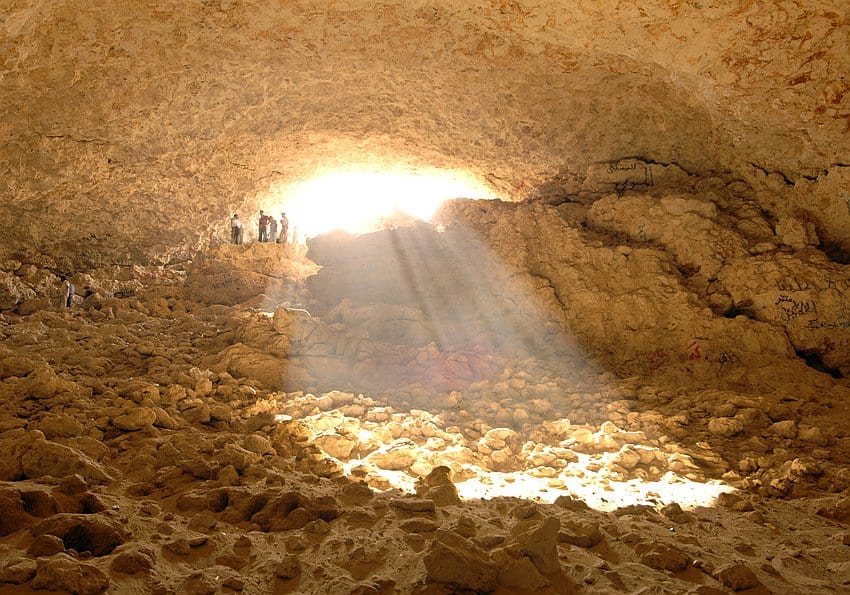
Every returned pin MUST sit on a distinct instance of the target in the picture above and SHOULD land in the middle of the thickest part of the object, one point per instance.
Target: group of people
(270, 229)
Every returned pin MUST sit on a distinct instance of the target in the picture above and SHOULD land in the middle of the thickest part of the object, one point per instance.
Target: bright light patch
(601, 494)
(598, 492)
(363, 201)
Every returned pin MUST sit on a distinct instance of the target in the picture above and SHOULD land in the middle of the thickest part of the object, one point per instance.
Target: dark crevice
(814, 361)
(39, 504)
(742, 308)
(836, 253)
(220, 502)
(687, 270)
(256, 505)
(788, 181)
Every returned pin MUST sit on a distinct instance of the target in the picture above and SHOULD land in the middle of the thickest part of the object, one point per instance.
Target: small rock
(540, 543)
(570, 503)
(131, 562)
(63, 573)
(178, 547)
(580, 532)
(234, 583)
(784, 429)
(675, 513)
(138, 418)
(198, 414)
(45, 545)
(737, 576)
(91, 533)
(396, 456)
(840, 511)
(49, 458)
(257, 444)
(221, 413)
(335, 444)
(660, 556)
(460, 563)
(60, 426)
(413, 504)
(521, 573)
(289, 567)
(17, 571)
(203, 522)
(725, 426)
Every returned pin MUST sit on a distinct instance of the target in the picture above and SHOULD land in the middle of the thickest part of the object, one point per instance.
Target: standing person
(272, 229)
(284, 229)
(70, 290)
(264, 227)
(235, 229)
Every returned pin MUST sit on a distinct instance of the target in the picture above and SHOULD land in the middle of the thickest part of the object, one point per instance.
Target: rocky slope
(610, 407)
(635, 380)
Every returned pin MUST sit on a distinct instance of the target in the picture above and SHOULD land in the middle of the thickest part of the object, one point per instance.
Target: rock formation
(628, 375)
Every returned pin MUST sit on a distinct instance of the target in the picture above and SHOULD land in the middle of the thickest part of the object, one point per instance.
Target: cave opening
(364, 197)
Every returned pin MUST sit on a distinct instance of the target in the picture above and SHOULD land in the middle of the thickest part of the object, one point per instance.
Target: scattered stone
(660, 556)
(737, 576)
(45, 545)
(289, 567)
(17, 571)
(520, 573)
(726, 427)
(63, 573)
(133, 561)
(413, 504)
(57, 460)
(138, 418)
(579, 532)
(454, 561)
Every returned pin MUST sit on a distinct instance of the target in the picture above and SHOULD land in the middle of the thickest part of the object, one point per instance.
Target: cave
(560, 304)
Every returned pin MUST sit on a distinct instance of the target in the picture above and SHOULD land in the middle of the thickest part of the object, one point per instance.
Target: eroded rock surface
(152, 439)
(633, 379)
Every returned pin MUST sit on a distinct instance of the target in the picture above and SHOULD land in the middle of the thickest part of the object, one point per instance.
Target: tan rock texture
(634, 379)
(131, 131)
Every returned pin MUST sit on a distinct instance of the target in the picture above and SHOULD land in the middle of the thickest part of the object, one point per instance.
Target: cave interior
(562, 305)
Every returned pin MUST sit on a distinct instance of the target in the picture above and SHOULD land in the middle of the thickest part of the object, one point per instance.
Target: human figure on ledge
(284, 229)
(235, 229)
(70, 290)
(264, 227)
(272, 229)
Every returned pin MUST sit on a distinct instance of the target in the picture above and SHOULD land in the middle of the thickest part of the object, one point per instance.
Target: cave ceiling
(131, 130)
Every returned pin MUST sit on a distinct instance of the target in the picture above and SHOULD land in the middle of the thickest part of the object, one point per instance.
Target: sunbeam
(462, 362)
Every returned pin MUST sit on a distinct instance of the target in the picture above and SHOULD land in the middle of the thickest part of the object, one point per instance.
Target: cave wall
(131, 131)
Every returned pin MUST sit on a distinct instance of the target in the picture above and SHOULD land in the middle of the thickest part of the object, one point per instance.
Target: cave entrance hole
(365, 198)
